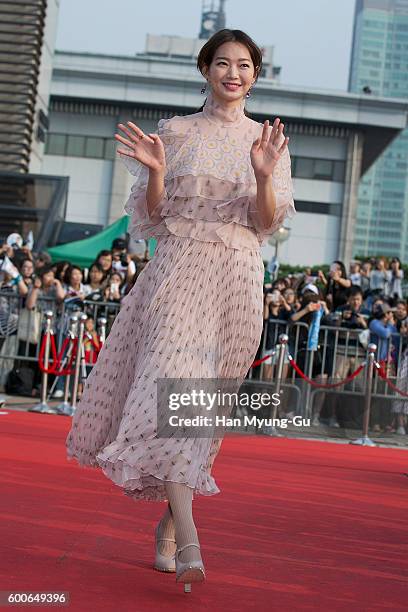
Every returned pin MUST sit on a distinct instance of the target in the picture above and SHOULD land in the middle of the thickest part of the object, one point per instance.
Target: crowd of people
(362, 306)
(29, 281)
(369, 301)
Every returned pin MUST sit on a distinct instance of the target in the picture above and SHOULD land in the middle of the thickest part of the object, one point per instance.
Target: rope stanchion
(48, 340)
(365, 440)
(259, 361)
(389, 382)
(313, 383)
(271, 430)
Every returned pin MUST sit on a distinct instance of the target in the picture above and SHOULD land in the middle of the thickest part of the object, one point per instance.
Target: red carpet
(299, 525)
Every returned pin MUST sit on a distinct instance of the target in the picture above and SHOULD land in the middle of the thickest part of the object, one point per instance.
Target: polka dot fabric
(195, 310)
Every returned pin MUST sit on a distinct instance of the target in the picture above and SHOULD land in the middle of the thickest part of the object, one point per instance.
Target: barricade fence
(337, 366)
(52, 335)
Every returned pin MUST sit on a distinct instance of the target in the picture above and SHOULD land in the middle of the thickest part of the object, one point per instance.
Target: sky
(311, 38)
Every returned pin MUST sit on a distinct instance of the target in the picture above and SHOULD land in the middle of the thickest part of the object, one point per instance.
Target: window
(94, 147)
(304, 167)
(323, 169)
(110, 148)
(55, 144)
(76, 146)
(322, 208)
(319, 169)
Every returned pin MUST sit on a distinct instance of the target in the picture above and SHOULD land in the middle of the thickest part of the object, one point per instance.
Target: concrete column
(350, 200)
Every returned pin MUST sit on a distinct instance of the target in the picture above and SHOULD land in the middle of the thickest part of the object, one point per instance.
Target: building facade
(334, 138)
(28, 202)
(378, 67)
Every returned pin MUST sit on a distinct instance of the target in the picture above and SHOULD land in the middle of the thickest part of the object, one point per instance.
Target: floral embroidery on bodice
(210, 183)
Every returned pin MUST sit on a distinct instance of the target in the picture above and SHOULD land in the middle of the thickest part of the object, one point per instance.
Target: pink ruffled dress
(196, 309)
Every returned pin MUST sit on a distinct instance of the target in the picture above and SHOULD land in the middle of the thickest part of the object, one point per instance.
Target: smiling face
(231, 72)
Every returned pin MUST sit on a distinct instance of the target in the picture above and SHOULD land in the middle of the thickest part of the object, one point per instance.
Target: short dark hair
(103, 253)
(45, 269)
(355, 290)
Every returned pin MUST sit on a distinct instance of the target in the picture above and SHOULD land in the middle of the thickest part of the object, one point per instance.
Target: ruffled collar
(221, 115)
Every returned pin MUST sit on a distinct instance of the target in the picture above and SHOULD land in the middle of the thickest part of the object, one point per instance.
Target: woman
(73, 282)
(395, 279)
(337, 285)
(209, 186)
(95, 284)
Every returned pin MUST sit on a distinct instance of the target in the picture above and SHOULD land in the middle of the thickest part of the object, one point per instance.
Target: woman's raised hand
(265, 151)
(148, 149)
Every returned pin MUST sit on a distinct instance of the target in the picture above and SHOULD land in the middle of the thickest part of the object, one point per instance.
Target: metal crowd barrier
(337, 346)
(12, 306)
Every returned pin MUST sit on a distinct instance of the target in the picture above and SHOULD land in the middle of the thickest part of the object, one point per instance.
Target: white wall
(89, 186)
(313, 240)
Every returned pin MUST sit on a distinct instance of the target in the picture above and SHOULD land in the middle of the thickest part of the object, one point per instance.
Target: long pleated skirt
(195, 311)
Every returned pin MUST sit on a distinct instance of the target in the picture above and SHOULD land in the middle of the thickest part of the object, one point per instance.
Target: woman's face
(335, 268)
(116, 278)
(27, 268)
(401, 312)
(76, 277)
(231, 64)
(89, 324)
(96, 275)
(289, 296)
(105, 261)
(48, 278)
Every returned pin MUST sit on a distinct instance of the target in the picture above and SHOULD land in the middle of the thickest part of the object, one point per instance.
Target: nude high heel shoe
(163, 563)
(189, 571)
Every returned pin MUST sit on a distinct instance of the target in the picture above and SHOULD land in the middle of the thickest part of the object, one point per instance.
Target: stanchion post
(102, 326)
(283, 341)
(365, 440)
(82, 320)
(65, 407)
(43, 405)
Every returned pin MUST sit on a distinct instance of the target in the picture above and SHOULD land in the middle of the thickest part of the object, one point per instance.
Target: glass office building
(379, 63)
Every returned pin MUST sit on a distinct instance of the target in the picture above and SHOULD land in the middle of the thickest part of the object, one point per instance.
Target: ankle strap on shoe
(180, 550)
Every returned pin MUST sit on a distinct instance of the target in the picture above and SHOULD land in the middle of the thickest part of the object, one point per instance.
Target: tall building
(379, 68)
(28, 202)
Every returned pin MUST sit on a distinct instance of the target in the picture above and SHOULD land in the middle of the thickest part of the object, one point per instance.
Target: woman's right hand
(148, 149)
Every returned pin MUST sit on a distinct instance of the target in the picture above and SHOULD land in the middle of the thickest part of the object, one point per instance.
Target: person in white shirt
(121, 260)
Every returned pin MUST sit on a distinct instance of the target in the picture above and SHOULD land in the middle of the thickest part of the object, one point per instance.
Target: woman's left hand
(265, 151)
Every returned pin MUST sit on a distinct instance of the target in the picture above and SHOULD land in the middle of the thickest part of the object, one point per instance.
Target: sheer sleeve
(285, 206)
(142, 224)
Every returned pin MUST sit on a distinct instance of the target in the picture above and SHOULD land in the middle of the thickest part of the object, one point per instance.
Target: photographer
(113, 291)
(336, 285)
(121, 260)
(350, 352)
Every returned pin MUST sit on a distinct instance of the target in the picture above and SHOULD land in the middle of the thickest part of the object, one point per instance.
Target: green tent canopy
(83, 252)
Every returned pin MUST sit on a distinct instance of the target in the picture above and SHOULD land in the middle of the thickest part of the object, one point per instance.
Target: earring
(203, 89)
(248, 93)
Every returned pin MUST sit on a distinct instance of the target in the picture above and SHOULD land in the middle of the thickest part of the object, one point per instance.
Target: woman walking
(209, 186)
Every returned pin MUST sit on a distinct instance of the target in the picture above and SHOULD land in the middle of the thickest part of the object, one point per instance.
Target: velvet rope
(322, 385)
(388, 381)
